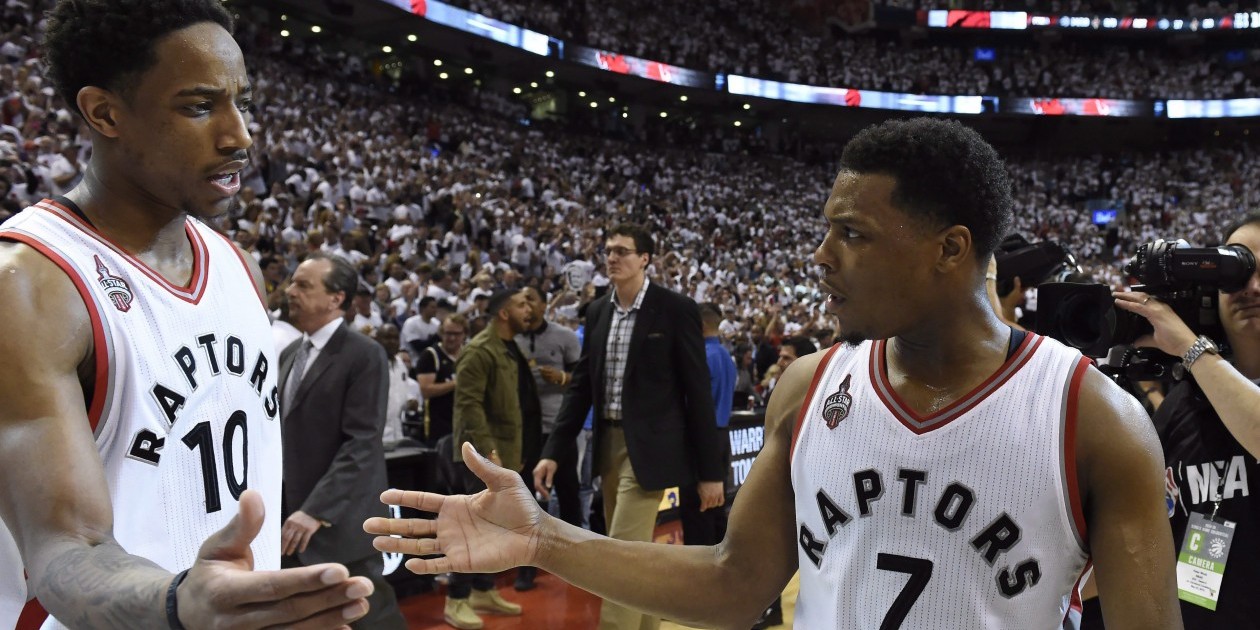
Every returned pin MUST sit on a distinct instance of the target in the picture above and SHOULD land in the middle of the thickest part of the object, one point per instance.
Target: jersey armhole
(32, 616)
(804, 410)
(1071, 488)
(100, 346)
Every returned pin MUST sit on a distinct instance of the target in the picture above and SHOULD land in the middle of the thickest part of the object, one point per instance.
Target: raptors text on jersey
(184, 405)
(965, 517)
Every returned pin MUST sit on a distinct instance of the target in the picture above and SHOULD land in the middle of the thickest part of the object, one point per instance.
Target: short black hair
(710, 314)
(802, 345)
(340, 277)
(643, 242)
(425, 301)
(499, 301)
(109, 43)
(945, 173)
(1250, 218)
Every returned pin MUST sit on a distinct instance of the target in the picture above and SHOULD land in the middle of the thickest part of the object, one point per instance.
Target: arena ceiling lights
(547, 46)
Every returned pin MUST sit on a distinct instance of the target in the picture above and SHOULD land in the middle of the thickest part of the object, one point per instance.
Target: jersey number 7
(920, 571)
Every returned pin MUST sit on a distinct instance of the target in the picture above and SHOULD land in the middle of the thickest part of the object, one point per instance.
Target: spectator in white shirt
(421, 329)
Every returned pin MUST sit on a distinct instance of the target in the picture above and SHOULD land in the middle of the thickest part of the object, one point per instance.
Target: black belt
(616, 424)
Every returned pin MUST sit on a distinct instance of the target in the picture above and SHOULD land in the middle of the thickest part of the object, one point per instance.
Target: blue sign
(1104, 217)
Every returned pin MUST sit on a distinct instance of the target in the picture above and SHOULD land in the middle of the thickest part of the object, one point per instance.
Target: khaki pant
(630, 512)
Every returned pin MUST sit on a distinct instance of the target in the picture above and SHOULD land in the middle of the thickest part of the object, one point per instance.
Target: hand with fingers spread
(223, 591)
(491, 531)
(1172, 335)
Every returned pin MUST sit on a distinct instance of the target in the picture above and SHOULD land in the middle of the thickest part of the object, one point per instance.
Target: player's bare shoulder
(1115, 437)
(1109, 414)
(789, 394)
(42, 309)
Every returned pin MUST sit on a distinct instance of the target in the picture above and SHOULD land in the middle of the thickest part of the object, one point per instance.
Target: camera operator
(1210, 430)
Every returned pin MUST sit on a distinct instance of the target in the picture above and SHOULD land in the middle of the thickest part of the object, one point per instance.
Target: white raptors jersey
(964, 518)
(184, 405)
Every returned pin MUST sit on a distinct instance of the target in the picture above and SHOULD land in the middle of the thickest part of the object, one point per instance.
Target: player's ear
(955, 248)
(99, 107)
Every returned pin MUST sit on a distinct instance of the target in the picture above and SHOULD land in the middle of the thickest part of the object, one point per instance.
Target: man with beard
(490, 414)
(551, 351)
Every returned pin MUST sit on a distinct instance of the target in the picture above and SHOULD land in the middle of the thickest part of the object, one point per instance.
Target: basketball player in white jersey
(139, 435)
(937, 470)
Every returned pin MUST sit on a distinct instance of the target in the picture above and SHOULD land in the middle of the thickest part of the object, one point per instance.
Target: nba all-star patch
(836, 407)
(116, 289)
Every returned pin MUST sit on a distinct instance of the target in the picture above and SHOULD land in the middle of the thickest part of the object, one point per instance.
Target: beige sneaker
(459, 613)
(492, 602)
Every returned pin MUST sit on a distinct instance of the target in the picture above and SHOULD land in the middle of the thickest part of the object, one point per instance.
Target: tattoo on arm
(104, 587)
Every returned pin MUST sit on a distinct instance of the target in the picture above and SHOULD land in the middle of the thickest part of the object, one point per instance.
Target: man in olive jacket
(491, 412)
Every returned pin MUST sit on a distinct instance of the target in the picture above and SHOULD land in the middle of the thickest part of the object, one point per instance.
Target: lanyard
(1220, 489)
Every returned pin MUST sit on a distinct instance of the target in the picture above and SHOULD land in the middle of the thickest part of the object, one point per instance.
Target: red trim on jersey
(197, 282)
(240, 255)
(1069, 446)
(1075, 603)
(100, 347)
(32, 617)
(813, 385)
(920, 425)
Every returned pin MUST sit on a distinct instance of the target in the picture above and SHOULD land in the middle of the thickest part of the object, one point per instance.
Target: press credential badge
(1201, 563)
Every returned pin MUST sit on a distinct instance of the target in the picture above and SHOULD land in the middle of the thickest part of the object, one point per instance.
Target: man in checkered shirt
(643, 370)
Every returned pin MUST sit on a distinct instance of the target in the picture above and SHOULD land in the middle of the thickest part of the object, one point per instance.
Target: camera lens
(1237, 265)
(1085, 320)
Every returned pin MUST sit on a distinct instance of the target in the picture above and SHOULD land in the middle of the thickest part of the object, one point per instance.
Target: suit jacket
(667, 407)
(334, 462)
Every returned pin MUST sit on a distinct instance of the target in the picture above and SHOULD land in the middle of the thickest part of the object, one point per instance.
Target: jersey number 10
(202, 437)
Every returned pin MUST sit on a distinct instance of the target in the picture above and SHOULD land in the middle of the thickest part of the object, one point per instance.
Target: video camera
(1032, 263)
(1188, 279)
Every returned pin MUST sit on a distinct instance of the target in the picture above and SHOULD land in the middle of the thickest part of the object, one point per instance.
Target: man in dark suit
(644, 372)
(333, 384)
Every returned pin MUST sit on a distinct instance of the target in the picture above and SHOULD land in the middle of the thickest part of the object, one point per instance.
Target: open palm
(491, 531)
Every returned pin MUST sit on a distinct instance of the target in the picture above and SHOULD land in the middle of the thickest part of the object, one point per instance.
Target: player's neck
(132, 220)
(951, 350)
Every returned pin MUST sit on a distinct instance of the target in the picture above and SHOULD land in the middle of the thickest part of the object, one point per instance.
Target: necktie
(295, 374)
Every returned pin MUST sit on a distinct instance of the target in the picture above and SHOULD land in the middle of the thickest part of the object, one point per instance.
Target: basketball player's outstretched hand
(223, 591)
(491, 531)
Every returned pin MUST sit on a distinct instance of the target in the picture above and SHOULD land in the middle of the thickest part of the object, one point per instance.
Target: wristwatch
(1200, 346)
